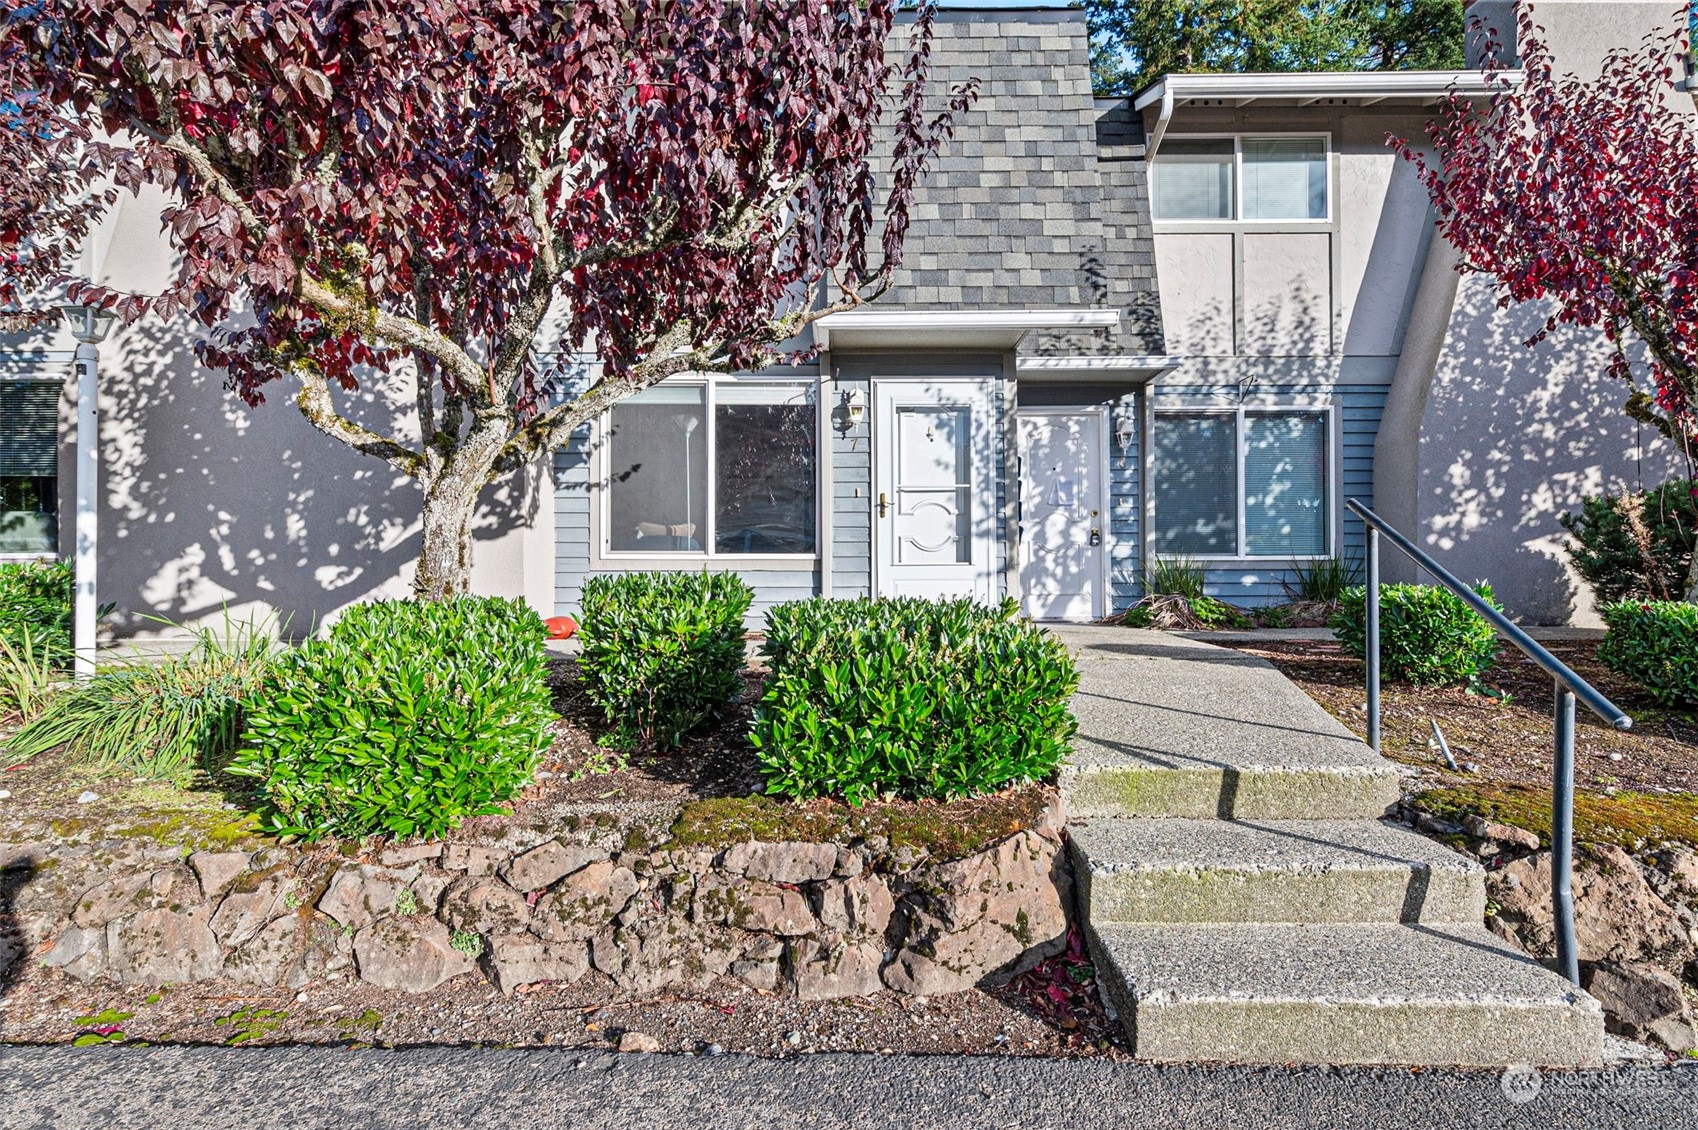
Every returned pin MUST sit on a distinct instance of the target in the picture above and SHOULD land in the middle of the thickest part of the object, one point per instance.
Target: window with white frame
(29, 466)
(1240, 177)
(713, 467)
(1253, 482)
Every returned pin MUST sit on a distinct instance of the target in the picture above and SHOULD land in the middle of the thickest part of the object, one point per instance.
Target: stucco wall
(208, 505)
(1507, 437)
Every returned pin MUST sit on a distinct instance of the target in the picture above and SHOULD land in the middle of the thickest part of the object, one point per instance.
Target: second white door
(1063, 515)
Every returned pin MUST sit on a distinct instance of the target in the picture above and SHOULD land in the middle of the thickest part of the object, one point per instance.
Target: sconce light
(88, 324)
(850, 408)
(1125, 429)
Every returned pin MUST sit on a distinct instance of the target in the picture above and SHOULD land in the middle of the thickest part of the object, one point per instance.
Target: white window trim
(660, 559)
(1334, 482)
(1236, 220)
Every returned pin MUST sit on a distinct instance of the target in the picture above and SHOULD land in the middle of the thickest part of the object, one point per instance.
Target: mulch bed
(1638, 783)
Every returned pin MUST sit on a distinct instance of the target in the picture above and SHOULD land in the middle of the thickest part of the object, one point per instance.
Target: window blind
(1193, 180)
(29, 428)
(1285, 484)
(1196, 483)
(1285, 178)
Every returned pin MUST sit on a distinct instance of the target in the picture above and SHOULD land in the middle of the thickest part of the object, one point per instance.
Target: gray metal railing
(1569, 688)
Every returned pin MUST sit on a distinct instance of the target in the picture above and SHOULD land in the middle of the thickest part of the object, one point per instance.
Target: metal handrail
(1568, 687)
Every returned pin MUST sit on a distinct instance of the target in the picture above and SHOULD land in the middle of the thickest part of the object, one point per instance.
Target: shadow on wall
(1511, 438)
(209, 505)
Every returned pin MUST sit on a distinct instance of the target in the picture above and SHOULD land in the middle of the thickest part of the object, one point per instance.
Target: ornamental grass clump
(159, 719)
(1428, 635)
(903, 697)
(1654, 643)
(407, 719)
(662, 652)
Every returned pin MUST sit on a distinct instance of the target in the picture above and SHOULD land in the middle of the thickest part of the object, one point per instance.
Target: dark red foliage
(649, 167)
(1584, 193)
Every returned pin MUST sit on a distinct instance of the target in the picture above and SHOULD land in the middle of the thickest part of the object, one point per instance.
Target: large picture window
(1250, 483)
(1240, 178)
(714, 468)
(29, 467)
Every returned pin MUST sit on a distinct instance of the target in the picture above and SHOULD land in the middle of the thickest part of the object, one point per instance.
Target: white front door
(934, 489)
(1062, 515)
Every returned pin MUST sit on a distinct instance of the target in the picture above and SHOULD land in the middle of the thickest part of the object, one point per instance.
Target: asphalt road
(352, 1089)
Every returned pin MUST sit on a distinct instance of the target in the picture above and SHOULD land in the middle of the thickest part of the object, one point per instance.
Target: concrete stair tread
(1177, 727)
(1114, 845)
(1280, 992)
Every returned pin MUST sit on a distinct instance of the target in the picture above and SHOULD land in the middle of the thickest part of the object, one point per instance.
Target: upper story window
(1242, 177)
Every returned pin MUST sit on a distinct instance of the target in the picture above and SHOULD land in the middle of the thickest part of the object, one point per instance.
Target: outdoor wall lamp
(849, 411)
(1125, 429)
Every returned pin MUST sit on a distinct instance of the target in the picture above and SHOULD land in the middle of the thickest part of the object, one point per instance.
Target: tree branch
(316, 405)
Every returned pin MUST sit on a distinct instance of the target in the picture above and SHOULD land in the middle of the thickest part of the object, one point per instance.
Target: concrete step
(1357, 994)
(1271, 871)
(1179, 728)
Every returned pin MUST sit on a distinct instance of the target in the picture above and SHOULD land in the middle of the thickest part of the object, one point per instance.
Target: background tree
(1135, 42)
(415, 189)
(1584, 195)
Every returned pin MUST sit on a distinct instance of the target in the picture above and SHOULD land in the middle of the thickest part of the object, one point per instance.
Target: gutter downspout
(1397, 446)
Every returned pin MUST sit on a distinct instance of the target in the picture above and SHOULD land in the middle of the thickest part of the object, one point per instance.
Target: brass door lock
(1096, 536)
(883, 504)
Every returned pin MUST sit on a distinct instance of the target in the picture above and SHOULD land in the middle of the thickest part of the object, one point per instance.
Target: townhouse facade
(1186, 324)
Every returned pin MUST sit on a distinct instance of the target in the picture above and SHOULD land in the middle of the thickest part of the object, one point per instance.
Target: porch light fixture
(89, 325)
(848, 412)
(1125, 429)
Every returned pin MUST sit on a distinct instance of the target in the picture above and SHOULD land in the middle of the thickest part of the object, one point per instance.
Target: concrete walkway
(446, 1088)
(1245, 903)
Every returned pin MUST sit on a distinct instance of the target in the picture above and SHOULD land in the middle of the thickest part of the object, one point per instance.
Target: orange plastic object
(560, 627)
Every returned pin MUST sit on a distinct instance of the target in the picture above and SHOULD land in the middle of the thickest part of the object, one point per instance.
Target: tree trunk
(450, 505)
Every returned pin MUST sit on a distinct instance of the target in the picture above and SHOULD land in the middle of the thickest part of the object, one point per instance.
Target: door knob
(883, 504)
(1096, 536)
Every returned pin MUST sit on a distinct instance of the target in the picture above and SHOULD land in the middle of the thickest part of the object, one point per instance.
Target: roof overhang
(1117, 369)
(1330, 88)
(989, 330)
(1367, 86)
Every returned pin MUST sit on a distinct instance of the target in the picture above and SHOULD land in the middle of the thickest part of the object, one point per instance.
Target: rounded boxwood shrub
(1636, 547)
(408, 718)
(1654, 643)
(911, 698)
(1427, 634)
(662, 652)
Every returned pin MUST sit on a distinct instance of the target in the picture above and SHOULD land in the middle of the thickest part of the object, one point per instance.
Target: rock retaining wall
(817, 920)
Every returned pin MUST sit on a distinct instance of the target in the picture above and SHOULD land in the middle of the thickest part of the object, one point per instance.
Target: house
(1190, 323)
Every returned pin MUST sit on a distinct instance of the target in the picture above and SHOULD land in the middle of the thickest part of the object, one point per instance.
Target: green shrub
(1175, 600)
(909, 697)
(662, 652)
(37, 597)
(159, 719)
(1636, 546)
(1427, 634)
(408, 718)
(1656, 645)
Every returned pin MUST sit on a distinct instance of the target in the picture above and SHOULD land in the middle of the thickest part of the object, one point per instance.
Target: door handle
(883, 504)
(1096, 536)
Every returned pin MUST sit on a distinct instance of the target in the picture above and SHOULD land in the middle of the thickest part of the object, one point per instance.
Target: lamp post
(89, 326)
